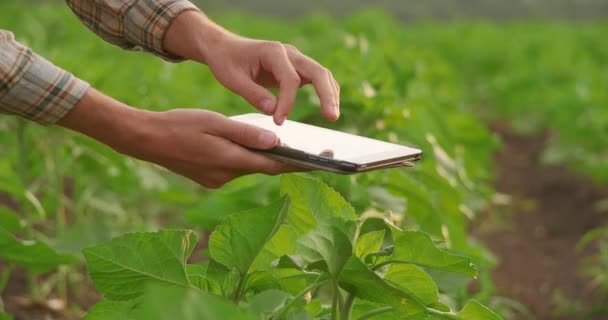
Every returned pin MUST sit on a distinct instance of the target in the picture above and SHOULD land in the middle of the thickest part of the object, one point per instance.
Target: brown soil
(551, 209)
(18, 302)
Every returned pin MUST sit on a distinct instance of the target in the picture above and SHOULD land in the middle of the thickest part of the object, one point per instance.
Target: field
(503, 218)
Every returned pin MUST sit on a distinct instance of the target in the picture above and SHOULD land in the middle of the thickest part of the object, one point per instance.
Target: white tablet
(320, 148)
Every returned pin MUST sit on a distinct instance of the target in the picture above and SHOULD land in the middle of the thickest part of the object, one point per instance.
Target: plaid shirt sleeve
(35, 89)
(131, 24)
(32, 87)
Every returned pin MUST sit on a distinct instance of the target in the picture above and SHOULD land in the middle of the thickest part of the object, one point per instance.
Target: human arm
(201, 145)
(176, 30)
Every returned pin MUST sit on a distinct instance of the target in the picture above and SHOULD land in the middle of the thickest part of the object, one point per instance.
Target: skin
(201, 145)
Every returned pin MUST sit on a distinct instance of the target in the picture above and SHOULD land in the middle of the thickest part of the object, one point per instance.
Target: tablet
(320, 148)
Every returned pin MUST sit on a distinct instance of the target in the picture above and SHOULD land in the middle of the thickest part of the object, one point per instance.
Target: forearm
(123, 128)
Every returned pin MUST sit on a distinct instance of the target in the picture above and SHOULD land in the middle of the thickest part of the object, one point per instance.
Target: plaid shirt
(35, 89)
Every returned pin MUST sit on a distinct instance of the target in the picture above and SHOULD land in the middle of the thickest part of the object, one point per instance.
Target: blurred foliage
(543, 76)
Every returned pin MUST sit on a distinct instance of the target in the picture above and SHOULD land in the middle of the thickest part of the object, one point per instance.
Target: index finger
(278, 63)
(322, 79)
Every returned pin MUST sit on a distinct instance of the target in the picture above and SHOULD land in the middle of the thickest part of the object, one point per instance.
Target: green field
(324, 246)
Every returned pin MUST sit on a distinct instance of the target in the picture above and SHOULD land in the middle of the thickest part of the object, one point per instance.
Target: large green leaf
(161, 302)
(359, 280)
(121, 267)
(327, 245)
(312, 202)
(32, 254)
(418, 248)
(413, 280)
(217, 205)
(112, 310)
(239, 240)
(281, 244)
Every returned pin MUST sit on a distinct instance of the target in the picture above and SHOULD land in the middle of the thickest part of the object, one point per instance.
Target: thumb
(256, 95)
(247, 135)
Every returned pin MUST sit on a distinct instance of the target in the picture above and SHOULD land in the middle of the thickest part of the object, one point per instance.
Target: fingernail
(267, 138)
(337, 110)
(267, 105)
(280, 119)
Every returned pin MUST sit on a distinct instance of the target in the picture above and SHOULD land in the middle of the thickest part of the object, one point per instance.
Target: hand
(203, 146)
(209, 148)
(248, 66)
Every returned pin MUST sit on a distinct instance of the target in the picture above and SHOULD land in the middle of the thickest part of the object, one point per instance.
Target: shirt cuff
(147, 22)
(44, 93)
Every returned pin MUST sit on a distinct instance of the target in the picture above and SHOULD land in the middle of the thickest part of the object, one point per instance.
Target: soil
(551, 208)
(17, 301)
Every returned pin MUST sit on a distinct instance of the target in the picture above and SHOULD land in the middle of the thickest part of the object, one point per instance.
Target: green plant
(307, 255)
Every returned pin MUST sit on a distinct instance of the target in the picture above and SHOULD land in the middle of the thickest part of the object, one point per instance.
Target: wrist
(194, 36)
(123, 128)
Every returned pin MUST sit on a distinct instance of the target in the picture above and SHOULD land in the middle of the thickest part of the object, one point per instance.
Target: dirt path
(552, 209)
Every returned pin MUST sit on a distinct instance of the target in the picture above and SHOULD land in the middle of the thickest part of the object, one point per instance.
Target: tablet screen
(331, 143)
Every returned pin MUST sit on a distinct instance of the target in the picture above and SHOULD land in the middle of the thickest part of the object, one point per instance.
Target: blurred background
(431, 9)
(508, 99)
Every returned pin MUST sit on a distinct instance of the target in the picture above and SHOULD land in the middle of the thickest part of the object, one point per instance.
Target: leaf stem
(449, 315)
(334, 302)
(382, 264)
(295, 299)
(5, 276)
(347, 309)
(375, 312)
(22, 174)
(238, 293)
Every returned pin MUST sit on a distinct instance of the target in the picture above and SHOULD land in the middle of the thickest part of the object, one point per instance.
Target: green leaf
(418, 248)
(221, 281)
(474, 310)
(121, 267)
(32, 254)
(313, 201)
(197, 274)
(284, 279)
(328, 245)
(268, 302)
(216, 206)
(239, 240)
(413, 280)
(369, 243)
(83, 234)
(162, 302)
(281, 244)
(10, 221)
(112, 310)
(358, 279)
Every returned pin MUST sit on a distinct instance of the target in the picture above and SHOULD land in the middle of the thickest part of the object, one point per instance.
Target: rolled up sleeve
(131, 24)
(32, 87)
